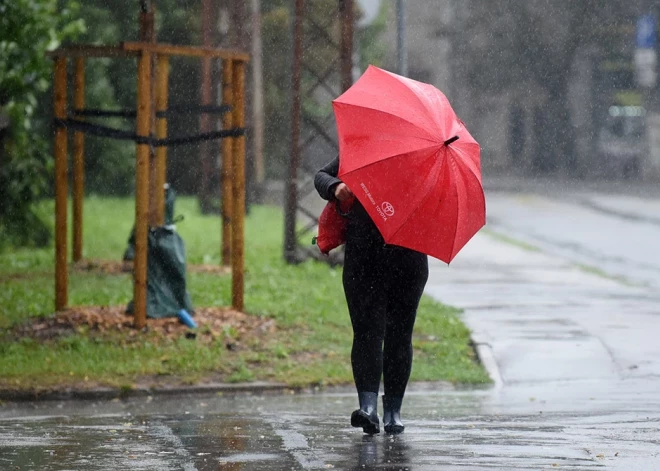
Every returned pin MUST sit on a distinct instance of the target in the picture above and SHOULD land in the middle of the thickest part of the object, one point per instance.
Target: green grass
(311, 345)
(603, 274)
(511, 241)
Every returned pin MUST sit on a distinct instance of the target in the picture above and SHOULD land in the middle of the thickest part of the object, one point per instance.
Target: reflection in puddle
(384, 452)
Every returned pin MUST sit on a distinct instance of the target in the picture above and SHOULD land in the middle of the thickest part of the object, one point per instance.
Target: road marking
(165, 432)
(295, 443)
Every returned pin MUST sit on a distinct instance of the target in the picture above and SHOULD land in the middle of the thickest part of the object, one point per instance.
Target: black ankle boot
(392, 415)
(367, 415)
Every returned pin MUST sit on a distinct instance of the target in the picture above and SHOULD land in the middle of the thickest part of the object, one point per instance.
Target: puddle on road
(248, 457)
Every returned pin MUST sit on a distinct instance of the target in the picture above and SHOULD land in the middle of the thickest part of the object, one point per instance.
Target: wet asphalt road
(562, 427)
(618, 234)
(570, 335)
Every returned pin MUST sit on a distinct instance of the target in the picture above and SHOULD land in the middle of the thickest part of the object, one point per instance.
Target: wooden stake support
(78, 162)
(143, 126)
(162, 74)
(233, 153)
(61, 187)
(238, 212)
(227, 157)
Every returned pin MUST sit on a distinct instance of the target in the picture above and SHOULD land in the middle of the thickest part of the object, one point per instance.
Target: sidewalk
(559, 185)
(636, 208)
(633, 200)
(579, 348)
(545, 319)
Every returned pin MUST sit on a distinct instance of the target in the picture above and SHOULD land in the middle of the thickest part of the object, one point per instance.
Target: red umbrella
(410, 161)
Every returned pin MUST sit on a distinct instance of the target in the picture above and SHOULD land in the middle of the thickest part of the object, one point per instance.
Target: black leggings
(383, 286)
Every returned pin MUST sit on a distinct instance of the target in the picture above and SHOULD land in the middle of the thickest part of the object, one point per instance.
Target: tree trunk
(256, 71)
(555, 134)
(4, 126)
(206, 164)
(240, 37)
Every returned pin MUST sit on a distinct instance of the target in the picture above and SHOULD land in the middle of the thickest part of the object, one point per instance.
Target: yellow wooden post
(143, 123)
(78, 162)
(163, 69)
(238, 210)
(227, 152)
(61, 186)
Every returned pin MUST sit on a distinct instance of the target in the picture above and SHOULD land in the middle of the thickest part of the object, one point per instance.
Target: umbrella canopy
(411, 162)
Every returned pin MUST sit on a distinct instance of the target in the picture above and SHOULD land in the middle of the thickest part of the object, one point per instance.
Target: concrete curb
(225, 389)
(125, 393)
(589, 203)
(487, 358)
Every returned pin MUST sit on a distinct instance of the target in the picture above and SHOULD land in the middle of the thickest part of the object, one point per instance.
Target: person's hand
(342, 192)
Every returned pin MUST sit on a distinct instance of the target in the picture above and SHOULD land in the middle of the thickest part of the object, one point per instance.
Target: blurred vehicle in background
(621, 142)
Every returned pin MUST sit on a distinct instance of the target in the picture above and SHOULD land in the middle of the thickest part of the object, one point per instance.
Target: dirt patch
(214, 269)
(115, 267)
(213, 323)
(109, 267)
(25, 275)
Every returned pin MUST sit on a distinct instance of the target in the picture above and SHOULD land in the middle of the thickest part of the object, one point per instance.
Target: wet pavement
(545, 318)
(573, 352)
(615, 233)
(521, 427)
(563, 290)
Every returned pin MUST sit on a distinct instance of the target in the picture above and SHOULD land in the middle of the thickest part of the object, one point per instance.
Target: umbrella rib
(464, 176)
(425, 105)
(453, 239)
(423, 102)
(470, 165)
(436, 169)
(428, 195)
(470, 174)
(428, 138)
(384, 159)
(412, 86)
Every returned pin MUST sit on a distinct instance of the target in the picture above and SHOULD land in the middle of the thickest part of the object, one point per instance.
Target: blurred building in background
(547, 88)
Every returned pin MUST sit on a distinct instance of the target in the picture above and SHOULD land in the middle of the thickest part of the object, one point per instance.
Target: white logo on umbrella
(388, 209)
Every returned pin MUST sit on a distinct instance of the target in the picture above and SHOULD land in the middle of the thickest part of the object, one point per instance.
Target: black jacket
(326, 181)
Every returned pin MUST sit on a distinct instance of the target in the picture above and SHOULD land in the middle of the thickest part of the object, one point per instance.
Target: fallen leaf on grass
(117, 267)
(213, 322)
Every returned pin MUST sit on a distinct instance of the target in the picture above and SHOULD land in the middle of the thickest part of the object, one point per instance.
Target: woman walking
(383, 285)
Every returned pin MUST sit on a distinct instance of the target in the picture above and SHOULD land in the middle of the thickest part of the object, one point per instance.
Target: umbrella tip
(450, 140)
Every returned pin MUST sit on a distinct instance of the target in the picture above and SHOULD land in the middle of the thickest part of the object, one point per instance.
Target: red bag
(332, 225)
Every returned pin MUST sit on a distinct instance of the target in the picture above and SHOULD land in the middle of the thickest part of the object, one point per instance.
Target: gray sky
(370, 8)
